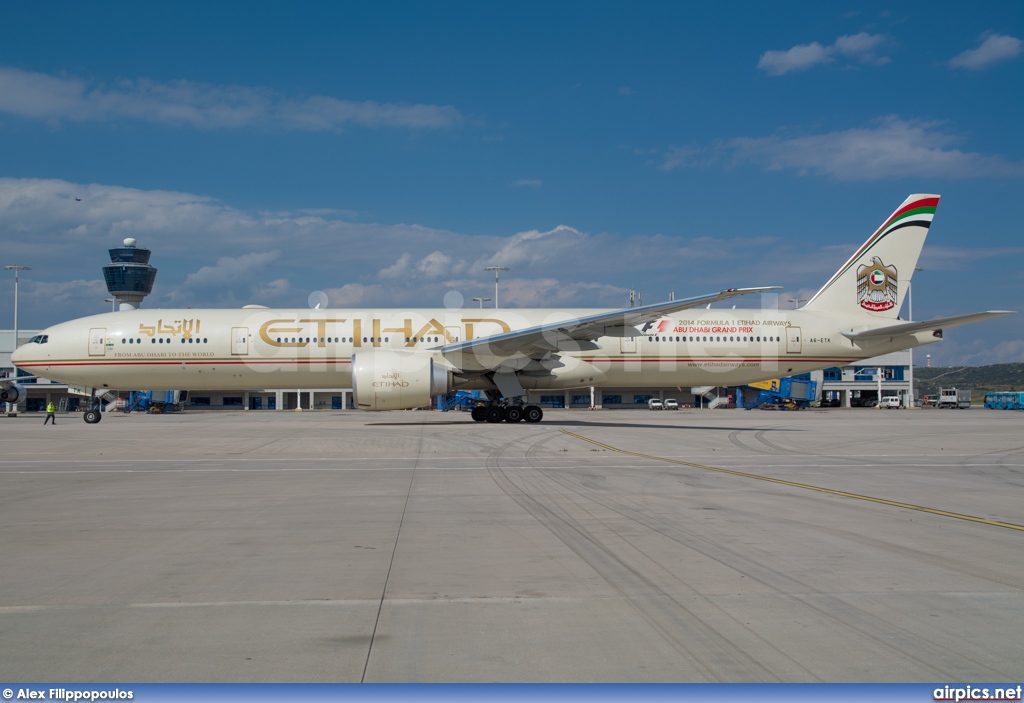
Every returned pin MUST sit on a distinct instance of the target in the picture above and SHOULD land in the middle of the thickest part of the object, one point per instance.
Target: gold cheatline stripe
(908, 506)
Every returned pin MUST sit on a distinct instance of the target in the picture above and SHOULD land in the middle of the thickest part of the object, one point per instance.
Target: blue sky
(384, 153)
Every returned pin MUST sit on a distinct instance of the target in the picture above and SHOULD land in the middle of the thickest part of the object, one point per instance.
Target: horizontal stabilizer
(929, 325)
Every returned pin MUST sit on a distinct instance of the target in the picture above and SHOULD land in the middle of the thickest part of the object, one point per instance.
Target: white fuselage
(266, 348)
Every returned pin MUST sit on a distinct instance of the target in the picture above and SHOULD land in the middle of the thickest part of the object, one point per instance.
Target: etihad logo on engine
(876, 286)
(392, 379)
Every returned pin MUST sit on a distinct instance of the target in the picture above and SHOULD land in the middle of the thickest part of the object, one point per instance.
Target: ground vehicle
(1013, 400)
(654, 404)
(891, 401)
(953, 398)
(670, 404)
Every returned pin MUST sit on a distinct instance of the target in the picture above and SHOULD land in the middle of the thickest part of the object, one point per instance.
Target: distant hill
(980, 379)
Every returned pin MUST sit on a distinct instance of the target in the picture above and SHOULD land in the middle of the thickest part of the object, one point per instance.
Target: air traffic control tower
(129, 276)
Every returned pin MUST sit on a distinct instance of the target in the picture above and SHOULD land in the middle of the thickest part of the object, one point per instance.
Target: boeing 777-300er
(395, 359)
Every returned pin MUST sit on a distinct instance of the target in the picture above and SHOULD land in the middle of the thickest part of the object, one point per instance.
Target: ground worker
(50, 410)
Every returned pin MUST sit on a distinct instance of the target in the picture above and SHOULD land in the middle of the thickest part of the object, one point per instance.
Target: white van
(891, 401)
(654, 404)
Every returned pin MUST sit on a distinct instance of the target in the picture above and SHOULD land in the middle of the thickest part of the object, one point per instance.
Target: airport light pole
(496, 269)
(796, 302)
(16, 269)
(113, 303)
(481, 301)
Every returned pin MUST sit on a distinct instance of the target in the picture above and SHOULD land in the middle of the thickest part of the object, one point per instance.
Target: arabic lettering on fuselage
(185, 328)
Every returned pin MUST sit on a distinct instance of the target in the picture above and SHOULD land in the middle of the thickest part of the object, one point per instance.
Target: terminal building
(130, 277)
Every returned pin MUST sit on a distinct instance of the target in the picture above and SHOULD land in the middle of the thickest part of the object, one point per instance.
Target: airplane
(402, 359)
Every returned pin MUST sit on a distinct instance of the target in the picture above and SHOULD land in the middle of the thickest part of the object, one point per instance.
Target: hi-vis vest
(51, 408)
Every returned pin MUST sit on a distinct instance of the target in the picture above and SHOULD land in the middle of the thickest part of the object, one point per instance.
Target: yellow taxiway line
(844, 494)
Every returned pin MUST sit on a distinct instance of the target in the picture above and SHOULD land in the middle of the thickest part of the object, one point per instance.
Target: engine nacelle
(392, 380)
(12, 393)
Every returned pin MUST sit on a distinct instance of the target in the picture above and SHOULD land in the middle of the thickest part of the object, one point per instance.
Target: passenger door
(239, 341)
(793, 344)
(98, 341)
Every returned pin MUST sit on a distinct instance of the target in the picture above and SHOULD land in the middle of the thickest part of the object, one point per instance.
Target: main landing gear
(508, 413)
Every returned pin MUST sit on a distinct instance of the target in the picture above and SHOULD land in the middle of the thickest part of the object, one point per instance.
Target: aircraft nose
(29, 351)
(19, 355)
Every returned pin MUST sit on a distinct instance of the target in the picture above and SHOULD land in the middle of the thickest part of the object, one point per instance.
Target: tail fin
(875, 279)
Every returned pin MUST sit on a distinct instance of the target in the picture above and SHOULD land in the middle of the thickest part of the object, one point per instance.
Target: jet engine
(392, 380)
(11, 393)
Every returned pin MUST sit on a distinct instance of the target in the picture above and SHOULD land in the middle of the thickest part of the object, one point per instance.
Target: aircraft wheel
(494, 413)
(92, 416)
(533, 413)
(479, 413)
(513, 413)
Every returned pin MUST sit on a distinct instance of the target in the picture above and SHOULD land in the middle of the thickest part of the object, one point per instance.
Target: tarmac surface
(421, 546)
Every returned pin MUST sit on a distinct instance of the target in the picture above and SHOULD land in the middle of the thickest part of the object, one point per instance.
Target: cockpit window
(40, 339)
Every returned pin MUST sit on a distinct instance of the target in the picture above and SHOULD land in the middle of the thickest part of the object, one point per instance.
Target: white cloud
(435, 264)
(399, 269)
(893, 148)
(798, 58)
(962, 348)
(356, 294)
(995, 48)
(947, 258)
(202, 106)
(230, 270)
(856, 47)
(534, 246)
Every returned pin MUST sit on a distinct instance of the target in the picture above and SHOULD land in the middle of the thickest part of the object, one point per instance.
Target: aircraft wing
(579, 334)
(929, 325)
